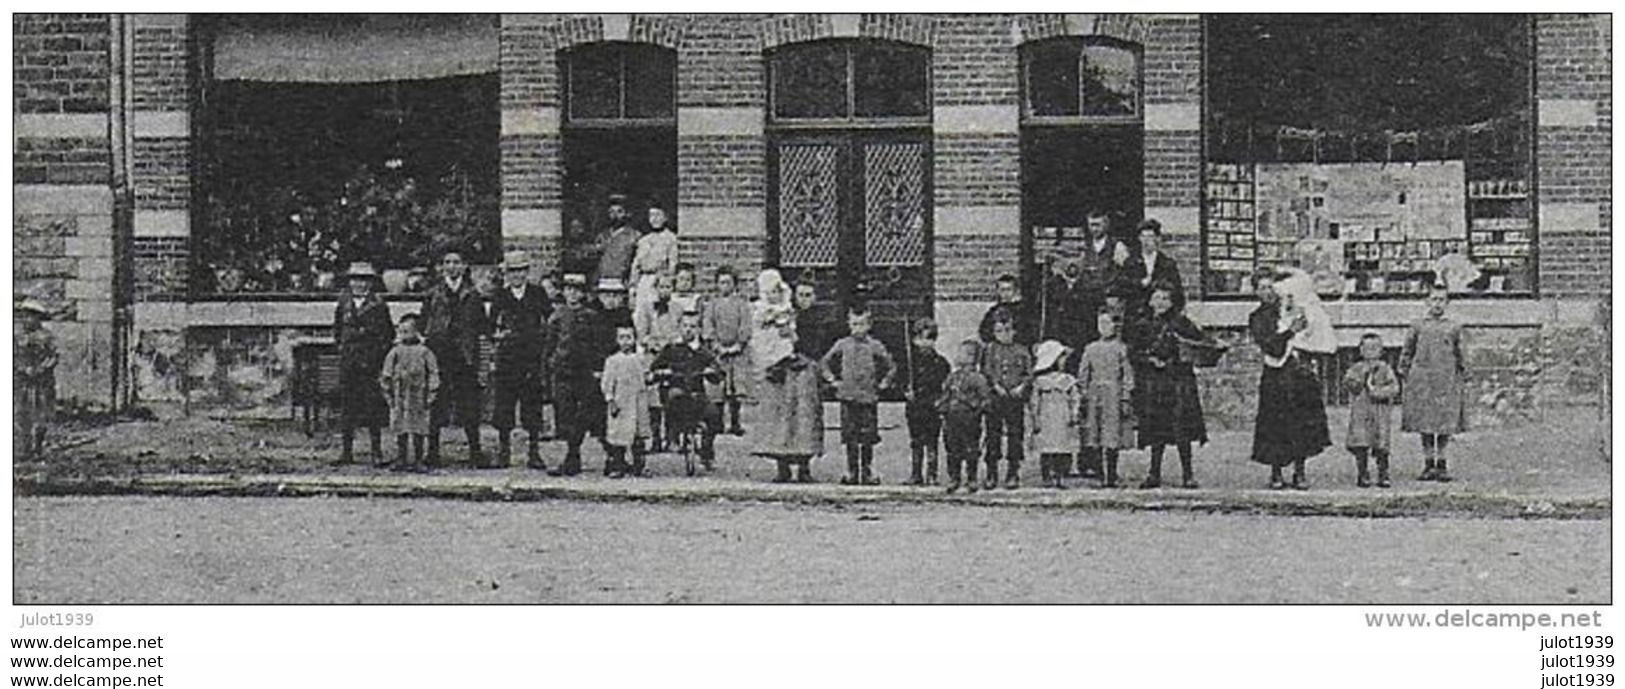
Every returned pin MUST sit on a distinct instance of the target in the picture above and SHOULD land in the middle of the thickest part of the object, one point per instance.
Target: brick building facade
(104, 188)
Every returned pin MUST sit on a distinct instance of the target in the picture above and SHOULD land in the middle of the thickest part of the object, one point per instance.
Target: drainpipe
(121, 141)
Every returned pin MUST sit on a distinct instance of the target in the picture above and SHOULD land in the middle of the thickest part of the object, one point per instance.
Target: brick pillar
(532, 160)
(1575, 116)
(721, 144)
(1173, 143)
(62, 213)
(977, 166)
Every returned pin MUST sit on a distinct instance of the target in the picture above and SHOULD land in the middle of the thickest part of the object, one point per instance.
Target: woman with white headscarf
(1292, 330)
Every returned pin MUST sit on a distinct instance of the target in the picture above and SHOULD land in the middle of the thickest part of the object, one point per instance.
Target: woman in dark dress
(1291, 424)
(1166, 399)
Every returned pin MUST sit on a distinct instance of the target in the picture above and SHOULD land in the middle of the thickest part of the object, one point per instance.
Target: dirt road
(320, 550)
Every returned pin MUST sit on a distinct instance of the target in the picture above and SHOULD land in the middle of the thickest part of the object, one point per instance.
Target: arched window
(621, 84)
(1079, 79)
(848, 81)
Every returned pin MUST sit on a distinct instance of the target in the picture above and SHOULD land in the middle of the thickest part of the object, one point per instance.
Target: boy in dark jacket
(520, 313)
(926, 372)
(1008, 366)
(364, 331)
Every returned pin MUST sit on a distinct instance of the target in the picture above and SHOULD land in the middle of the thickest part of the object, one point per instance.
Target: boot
(1012, 475)
(852, 460)
(733, 419)
(784, 472)
(533, 456)
(1276, 482)
(867, 454)
(1362, 471)
(930, 466)
(991, 480)
(637, 459)
(615, 463)
(1299, 481)
(804, 471)
(953, 479)
(1382, 470)
(400, 453)
(417, 454)
(1153, 476)
(1443, 474)
(1111, 470)
(970, 477)
(476, 458)
(504, 449)
(915, 477)
(1046, 471)
(376, 435)
(1430, 471)
(572, 462)
(433, 459)
(1187, 477)
(346, 452)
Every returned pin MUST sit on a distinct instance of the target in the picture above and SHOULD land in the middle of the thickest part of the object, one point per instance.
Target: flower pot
(395, 280)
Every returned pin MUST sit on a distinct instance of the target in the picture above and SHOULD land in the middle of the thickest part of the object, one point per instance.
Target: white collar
(518, 292)
(454, 285)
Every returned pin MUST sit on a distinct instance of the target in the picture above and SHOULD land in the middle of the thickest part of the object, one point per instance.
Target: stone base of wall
(63, 257)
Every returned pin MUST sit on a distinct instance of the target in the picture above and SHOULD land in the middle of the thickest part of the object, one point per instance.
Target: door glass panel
(650, 72)
(894, 204)
(1052, 79)
(809, 210)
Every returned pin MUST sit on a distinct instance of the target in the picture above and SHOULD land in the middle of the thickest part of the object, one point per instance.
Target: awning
(334, 48)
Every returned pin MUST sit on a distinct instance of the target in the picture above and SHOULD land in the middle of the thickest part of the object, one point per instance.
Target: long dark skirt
(1291, 416)
(1168, 406)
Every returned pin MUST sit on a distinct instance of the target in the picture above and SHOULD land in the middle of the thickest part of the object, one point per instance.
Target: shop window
(1383, 153)
(325, 139)
(849, 81)
(1080, 80)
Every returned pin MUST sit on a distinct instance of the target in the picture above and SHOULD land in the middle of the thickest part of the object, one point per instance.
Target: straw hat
(1049, 351)
(30, 304)
(611, 285)
(575, 280)
(516, 260)
(361, 269)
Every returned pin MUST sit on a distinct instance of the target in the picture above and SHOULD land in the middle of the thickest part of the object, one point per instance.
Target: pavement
(1557, 468)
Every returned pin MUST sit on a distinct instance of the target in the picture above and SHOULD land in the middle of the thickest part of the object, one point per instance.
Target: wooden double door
(853, 210)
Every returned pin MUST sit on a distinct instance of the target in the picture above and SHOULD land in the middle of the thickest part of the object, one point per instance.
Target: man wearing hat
(453, 323)
(620, 242)
(364, 332)
(519, 314)
(612, 310)
(577, 355)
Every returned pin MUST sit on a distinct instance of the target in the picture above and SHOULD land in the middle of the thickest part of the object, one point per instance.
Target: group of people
(1076, 394)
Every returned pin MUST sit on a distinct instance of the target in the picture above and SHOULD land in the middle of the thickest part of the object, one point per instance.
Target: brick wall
(160, 67)
(978, 169)
(967, 265)
(1173, 59)
(974, 62)
(75, 160)
(61, 63)
(531, 171)
(719, 63)
(161, 267)
(722, 171)
(1575, 140)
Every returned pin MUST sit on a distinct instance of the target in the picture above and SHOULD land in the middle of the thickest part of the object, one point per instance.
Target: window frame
(851, 120)
(1080, 43)
(624, 49)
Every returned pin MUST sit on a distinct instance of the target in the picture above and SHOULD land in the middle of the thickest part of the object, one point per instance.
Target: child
(688, 367)
(683, 292)
(363, 332)
(726, 328)
(1009, 370)
(1170, 405)
(1053, 411)
(964, 400)
(773, 342)
(1106, 380)
(624, 388)
(1434, 373)
(926, 371)
(33, 365)
(657, 324)
(1373, 385)
(410, 378)
(859, 367)
(791, 432)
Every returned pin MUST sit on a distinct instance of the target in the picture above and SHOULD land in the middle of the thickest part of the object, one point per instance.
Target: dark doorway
(640, 162)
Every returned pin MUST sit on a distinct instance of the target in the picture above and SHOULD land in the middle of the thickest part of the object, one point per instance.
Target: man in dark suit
(1151, 267)
(453, 323)
(520, 311)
